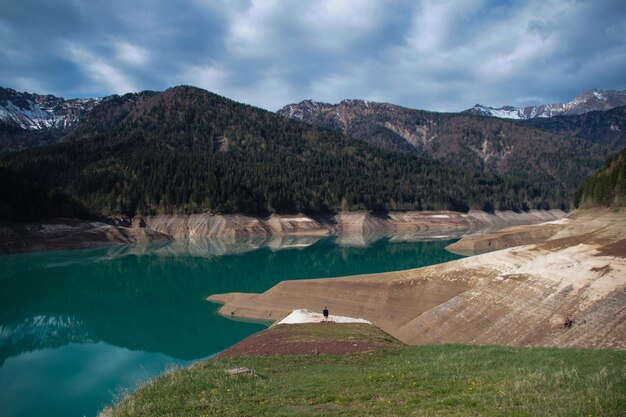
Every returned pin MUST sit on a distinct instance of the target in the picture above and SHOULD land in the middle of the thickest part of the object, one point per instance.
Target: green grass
(444, 380)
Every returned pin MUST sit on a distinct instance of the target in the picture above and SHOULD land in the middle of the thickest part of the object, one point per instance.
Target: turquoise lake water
(79, 328)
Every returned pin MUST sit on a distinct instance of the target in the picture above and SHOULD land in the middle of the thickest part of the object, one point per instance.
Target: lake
(79, 328)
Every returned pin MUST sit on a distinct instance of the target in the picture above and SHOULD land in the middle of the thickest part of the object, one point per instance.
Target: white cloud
(131, 54)
(366, 81)
(28, 84)
(272, 28)
(433, 54)
(436, 23)
(250, 32)
(271, 92)
(208, 77)
(333, 25)
(100, 70)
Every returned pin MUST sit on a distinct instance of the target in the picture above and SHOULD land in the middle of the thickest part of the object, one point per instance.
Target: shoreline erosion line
(522, 296)
(59, 234)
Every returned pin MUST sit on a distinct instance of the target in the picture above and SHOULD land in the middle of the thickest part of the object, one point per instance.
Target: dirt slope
(355, 226)
(507, 238)
(567, 291)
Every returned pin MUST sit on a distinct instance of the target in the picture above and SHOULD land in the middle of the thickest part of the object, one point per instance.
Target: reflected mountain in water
(234, 246)
(39, 332)
(152, 297)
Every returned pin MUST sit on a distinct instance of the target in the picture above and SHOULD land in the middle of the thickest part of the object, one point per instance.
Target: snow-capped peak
(599, 96)
(582, 103)
(36, 112)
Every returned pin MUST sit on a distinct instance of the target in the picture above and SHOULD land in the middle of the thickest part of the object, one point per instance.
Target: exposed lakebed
(79, 327)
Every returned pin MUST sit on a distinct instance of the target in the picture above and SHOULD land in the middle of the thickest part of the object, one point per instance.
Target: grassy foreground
(444, 380)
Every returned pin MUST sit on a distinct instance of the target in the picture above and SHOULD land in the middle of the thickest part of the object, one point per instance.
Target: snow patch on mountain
(582, 103)
(36, 112)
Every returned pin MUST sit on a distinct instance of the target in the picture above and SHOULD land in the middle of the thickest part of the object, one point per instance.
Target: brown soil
(617, 249)
(311, 339)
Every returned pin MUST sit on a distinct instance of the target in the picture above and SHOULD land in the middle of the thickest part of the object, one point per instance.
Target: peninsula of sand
(565, 286)
(353, 228)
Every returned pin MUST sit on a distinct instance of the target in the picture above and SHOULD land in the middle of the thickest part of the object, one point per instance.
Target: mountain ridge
(605, 127)
(499, 146)
(596, 99)
(31, 111)
(186, 150)
(216, 155)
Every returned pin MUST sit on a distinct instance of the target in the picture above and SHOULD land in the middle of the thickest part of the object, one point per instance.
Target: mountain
(607, 187)
(186, 150)
(36, 112)
(582, 103)
(493, 145)
(30, 119)
(605, 127)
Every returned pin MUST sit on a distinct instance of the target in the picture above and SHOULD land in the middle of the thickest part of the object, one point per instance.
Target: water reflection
(233, 246)
(150, 299)
(75, 379)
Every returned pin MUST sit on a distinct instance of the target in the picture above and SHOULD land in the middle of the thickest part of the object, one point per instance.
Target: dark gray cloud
(439, 55)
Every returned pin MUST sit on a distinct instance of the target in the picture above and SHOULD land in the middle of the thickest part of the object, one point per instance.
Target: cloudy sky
(436, 55)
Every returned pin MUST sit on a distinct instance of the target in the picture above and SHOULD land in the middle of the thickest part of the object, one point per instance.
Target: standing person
(325, 312)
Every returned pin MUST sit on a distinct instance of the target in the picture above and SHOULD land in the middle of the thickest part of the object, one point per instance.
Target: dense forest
(23, 198)
(186, 150)
(606, 127)
(503, 147)
(607, 187)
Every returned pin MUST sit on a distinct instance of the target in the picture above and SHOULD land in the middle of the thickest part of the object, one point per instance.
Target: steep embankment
(567, 291)
(236, 225)
(349, 223)
(507, 238)
(69, 234)
(354, 228)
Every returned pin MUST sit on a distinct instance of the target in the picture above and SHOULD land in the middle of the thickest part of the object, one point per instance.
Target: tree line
(189, 151)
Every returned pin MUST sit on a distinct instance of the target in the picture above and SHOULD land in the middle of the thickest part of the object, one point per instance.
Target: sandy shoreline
(567, 291)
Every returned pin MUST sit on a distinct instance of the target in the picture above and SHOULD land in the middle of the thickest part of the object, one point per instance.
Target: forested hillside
(187, 150)
(607, 187)
(23, 198)
(503, 147)
(606, 127)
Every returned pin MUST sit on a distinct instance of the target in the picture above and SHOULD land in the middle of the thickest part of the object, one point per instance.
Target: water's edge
(356, 228)
(78, 327)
